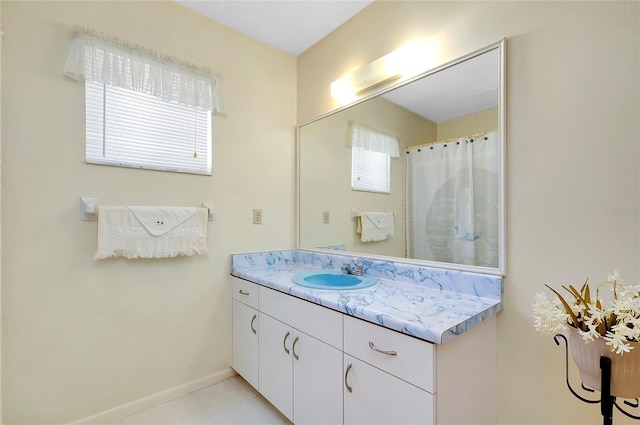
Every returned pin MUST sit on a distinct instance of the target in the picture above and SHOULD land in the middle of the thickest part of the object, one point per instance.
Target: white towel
(376, 226)
(151, 232)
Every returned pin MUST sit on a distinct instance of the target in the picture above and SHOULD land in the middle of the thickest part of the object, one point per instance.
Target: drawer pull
(346, 378)
(242, 292)
(253, 319)
(388, 353)
(295, 341)
(284, 343)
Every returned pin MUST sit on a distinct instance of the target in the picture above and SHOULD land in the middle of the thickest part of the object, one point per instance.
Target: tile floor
(232, 401)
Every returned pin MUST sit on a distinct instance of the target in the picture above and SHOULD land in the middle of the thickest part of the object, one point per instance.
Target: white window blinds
(371, 151)
(132, 129)
(370, 171)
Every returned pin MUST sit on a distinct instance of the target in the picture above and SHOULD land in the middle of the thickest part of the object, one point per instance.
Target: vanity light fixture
(402, 63)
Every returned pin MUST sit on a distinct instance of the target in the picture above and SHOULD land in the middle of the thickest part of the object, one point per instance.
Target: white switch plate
(325, 217)
(257, 216)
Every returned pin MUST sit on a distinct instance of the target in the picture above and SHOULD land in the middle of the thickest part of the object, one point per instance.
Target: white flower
(591, 334)
(613, 277)
(550, 317)
(617, 343)
(596, 314)
(617, 321)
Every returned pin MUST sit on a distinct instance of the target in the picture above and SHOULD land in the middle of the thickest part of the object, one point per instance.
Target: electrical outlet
(257, 216)
(325, 217)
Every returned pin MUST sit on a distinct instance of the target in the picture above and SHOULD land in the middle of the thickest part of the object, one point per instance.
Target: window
(371, 151)
(133, 129)
(370, 170)
(144, 109)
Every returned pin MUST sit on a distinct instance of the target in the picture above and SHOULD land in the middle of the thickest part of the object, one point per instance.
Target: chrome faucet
(347, 269)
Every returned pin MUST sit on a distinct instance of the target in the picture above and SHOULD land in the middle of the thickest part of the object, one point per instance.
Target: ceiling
(289, 25)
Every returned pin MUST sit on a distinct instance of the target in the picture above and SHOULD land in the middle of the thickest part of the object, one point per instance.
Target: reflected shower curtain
(452, 201)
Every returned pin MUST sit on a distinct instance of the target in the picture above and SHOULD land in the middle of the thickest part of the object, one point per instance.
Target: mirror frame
(502, 246)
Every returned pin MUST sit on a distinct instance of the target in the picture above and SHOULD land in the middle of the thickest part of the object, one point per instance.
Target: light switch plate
(325, 217)
(257, 216)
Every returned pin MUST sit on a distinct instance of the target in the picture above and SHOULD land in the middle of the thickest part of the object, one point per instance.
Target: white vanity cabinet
(317, 382)
(299, 375)
(388, 376)
(275, 364)
(317, 365)
(300, 365)
(245, 330)
(397, 379)
(373, 396)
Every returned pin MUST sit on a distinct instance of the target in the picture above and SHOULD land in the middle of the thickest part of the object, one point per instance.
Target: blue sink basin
(332, 280)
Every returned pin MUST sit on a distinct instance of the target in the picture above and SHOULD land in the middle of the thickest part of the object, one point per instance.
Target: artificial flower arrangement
(616, 321)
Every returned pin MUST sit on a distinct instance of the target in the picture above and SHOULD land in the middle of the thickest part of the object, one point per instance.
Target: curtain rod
(449, 140)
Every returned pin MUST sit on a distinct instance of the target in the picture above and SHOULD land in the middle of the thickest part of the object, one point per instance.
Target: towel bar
(90, 207)
(355, 214)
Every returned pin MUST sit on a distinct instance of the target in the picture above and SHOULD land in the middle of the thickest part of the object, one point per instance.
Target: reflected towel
(375, 226)
(151, 232)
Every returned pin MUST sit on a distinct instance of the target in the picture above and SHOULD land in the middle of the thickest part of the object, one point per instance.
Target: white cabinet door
(275, 365)
(245, 342)
(317, 381)
(372, 396)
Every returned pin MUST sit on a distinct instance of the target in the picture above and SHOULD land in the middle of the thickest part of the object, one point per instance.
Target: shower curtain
(452, 201)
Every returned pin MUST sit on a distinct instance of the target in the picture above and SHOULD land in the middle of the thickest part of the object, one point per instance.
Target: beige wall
(81, 336)
(325, 163)
(0, 210)
(572, 156)
(480, 122)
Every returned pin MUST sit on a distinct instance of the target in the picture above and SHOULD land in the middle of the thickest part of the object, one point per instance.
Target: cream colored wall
(572, 156)
(81, 336)
(0, 211)
(480, 122)
(325, 158)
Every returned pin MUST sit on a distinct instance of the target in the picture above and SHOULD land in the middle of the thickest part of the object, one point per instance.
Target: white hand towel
(151, 232)
(160, 220)
(376, 226)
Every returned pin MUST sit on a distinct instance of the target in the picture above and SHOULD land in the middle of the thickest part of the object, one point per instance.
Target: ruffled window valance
(107, 60)
(373, 140)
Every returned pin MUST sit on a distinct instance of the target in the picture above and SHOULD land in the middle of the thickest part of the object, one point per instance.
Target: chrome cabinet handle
(295, 341)
(241, 292)
(388, 353)
(346, 378)
(253, 319)
(284, 343)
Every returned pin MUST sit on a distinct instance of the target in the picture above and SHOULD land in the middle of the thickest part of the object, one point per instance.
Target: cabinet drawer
(320, 322)
(244, 291)
(413, 360)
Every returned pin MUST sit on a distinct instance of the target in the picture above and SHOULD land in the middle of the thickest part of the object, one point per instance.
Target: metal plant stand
(607, 401)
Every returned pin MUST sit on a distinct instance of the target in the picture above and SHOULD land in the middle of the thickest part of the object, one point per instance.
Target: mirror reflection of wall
(451, 214)
(325, 177)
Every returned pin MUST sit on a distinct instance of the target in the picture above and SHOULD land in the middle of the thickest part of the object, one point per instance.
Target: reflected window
(371, 151)
(370, 171)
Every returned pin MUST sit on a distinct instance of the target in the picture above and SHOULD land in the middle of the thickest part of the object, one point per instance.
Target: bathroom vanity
(419, 347)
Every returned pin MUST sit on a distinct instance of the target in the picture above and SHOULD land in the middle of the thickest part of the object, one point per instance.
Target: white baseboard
(117, 413)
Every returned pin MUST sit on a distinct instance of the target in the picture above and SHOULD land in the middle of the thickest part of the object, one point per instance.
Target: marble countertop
(427, 312)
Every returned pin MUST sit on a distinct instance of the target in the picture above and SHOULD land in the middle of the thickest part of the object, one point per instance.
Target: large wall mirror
(444, 203)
